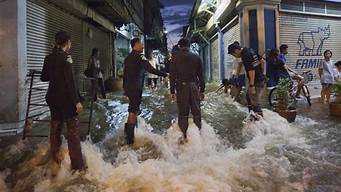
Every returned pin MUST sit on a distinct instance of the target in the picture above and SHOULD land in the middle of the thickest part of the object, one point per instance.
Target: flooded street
(228, 154)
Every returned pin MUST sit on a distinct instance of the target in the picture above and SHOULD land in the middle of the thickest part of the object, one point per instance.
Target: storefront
(309, 33)
(44, 20)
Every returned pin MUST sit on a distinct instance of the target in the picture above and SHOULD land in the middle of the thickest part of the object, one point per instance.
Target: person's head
(63, 40)
(283, 49)
(273, 53)
(95, 52)
(235, 50)
(327, 54)
(184, 43)
(338, 66)
(137, 45)
(236, 42)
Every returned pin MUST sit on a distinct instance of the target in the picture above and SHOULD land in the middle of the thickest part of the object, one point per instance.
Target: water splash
(158, 163)
(269, 155)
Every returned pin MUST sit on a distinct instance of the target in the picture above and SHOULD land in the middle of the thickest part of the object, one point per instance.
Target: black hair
(62, 38)
(134, 41)
(94, 51)
(184, 42)
(326, 51)
(273, 53)
(231, 48)
(283, 47)
(236, 42)
(338, 63)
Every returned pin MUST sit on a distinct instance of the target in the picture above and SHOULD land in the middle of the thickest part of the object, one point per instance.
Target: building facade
(308, 27)
(27, 29)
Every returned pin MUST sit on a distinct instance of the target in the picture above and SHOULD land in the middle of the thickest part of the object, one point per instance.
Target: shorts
(63, 113)
(238, 81)
(134, 103)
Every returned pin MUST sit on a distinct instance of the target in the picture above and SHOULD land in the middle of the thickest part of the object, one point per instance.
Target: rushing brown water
(228, 154)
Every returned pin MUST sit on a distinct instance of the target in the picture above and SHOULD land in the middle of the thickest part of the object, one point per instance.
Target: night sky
(175, 14)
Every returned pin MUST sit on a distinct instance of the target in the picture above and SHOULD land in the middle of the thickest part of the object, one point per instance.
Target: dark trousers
(253, 101)
(100, 84)
(73, 137)
(188, 99)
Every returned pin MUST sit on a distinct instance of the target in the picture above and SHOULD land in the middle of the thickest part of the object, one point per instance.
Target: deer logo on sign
(311, 42)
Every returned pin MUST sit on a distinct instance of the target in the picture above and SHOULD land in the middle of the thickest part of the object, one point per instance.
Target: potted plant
(283, 97)
(335, 106)
(116, 83)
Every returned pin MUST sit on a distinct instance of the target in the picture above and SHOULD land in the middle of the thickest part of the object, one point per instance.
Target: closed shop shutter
(308, 37)
(231, 35)
(43, 21)
(215, 59)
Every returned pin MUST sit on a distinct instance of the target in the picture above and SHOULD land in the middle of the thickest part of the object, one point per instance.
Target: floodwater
(229, 154)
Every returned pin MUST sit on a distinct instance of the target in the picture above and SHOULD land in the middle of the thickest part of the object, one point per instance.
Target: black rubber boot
(129, 133)
(197, 121)
(183, 124)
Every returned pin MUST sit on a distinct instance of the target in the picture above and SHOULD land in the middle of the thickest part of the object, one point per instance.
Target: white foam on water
(202, 164)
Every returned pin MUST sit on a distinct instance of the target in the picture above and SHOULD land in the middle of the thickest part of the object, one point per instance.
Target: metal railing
(35, 118)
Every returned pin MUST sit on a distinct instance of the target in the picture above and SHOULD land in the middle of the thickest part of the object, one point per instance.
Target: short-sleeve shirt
(328, 72)
(251, 62)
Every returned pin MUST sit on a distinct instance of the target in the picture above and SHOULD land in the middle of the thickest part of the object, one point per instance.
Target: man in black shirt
(254, 69)
(63, 100)
(187, 81)
(133, 80)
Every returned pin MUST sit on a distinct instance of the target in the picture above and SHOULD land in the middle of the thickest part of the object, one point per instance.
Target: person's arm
(251, 78)
(45, 73)
(321, 69)
(70, 83)
(146, 65)
(201, 76)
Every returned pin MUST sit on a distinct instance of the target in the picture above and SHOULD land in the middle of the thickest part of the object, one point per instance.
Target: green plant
(282, 93)
(337, 90)
(121, 54)
(120, 72)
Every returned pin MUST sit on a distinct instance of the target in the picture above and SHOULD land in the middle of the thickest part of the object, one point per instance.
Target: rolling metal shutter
(43, 21)
(215, 59)
(231, 35)
(308, 37)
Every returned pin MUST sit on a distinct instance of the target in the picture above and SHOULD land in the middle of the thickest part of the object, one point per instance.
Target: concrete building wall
(12, 64)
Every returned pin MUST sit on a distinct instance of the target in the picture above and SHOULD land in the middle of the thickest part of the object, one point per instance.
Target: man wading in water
(254, 70)
(187, 85)
(64, 103)
(133, 80)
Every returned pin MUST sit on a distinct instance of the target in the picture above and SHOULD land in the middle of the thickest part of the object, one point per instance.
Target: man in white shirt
(238, 77)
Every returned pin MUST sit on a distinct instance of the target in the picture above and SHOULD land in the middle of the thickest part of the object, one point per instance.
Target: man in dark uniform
(63, 100)
(133, 81)
(187, 85)
(253, 66)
